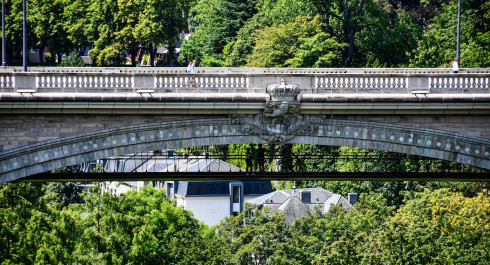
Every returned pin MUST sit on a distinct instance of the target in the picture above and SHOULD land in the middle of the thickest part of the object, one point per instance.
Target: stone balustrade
(230, 70)
(243, 81)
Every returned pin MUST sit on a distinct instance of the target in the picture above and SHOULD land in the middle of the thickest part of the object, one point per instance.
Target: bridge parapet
(250, 70)
(242, 82)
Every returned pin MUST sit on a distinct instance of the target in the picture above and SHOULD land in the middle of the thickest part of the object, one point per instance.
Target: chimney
(353, 198)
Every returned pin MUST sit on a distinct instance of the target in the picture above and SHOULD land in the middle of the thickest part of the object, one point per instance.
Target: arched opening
(44, 156)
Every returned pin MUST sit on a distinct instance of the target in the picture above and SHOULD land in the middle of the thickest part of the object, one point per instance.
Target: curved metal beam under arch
(44, 156)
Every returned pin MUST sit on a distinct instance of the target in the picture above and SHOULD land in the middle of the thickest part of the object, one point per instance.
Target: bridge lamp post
(458, 32)
(24, 28)
(4, 61)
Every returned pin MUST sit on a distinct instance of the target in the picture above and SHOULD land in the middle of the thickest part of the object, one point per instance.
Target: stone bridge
(55, 117)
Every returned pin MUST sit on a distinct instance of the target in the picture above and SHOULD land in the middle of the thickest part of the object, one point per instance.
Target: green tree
(77, 22)
(73, 60)
(160, 24)
(297, 44)
(437, 48)
(214, 24)
(252, 236)
(439, 227)
(46, 21)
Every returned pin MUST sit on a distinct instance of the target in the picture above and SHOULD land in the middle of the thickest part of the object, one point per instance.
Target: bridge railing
(251, 70)
(309, 83)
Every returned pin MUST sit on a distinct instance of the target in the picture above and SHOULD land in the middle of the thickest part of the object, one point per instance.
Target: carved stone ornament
(283, 100)
(280, 121)
(279, 130)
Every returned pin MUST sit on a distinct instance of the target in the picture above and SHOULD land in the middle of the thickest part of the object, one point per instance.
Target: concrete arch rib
(43, 156)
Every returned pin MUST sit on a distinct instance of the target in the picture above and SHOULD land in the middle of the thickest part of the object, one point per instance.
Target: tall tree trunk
(133, 54)
(350, 49)
(152, 55)
(171, 55)
(41, 52)
(142, 56)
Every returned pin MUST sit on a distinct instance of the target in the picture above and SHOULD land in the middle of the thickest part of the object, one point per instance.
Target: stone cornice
(240, 103)
(236, 97)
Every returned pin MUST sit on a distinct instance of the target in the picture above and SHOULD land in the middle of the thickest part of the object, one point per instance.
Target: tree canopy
(362, 33)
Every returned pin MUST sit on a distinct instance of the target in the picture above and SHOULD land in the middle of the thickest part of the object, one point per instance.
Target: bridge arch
(48, 155)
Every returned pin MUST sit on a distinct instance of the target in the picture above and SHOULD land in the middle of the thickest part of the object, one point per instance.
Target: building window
(236, 194)
(306, 197)
(170, 190)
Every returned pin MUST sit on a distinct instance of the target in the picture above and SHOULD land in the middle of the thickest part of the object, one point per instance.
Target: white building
(210, 201)
(298, 202)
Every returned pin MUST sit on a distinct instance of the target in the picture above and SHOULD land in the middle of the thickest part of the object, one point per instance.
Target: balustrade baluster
(213, 82)
(103, 82)
(484, 83)
(118, 81)
(363, 82)
(368, 82)
(82, 81)
(56, 83)
(245, 82)
(451, 83)
(336, 82)
(157, 80)
(204, 82)
(443, 81)
(238, 83)
(97, 81)
(92, 81)
(77, 81)
(391, 82)
(437, 83)
(62, 82)
(11, 81)
(182, 81)
(357, 82)
(228, 82)
(199, 81)
(72, 81)
(218, 82)
(377, 82)
(172, 81)
(476, 83)
(110, 81)
(396, 82)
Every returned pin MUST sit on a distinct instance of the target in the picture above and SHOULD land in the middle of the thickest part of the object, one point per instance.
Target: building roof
(298, 202)
(221, 188)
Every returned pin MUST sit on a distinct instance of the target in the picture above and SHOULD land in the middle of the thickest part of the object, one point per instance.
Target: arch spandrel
(44, 156)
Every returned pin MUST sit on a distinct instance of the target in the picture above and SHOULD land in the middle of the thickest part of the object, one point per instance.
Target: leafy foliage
(73, 60)
(438, 46)
(433, 227)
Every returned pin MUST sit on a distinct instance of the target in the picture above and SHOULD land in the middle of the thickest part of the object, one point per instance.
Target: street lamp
(24, 27)
(459, 29)
(4, 61)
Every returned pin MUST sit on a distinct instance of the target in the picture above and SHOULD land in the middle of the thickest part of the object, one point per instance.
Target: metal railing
(206, 163)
